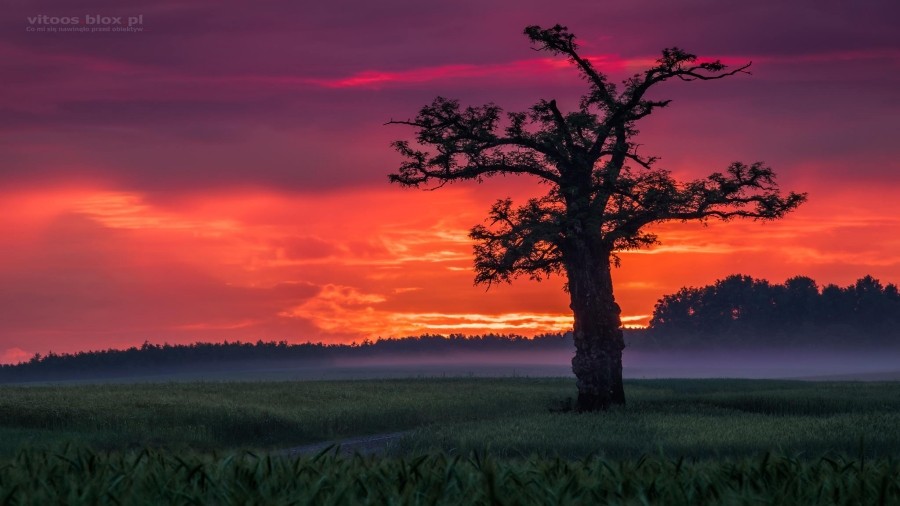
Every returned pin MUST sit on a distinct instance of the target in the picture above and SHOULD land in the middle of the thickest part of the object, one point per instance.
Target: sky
(219, 171)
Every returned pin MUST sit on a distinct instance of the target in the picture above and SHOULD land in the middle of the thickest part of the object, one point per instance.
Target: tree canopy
(601, 192)
(589, 158)
(749, 311)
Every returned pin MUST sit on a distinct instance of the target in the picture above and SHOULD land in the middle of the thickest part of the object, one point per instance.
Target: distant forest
(743, 310)
(735, 312)
(219, 356)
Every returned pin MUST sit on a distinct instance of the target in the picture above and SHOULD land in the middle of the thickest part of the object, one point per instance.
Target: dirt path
(375, 444)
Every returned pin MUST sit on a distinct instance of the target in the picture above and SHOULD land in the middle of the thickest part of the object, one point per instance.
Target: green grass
(258, 415)
(695, 418)
(474, 441)
(84, 477)
(507, 417)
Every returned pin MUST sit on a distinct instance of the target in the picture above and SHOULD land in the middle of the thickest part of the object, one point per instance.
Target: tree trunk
(598, 337)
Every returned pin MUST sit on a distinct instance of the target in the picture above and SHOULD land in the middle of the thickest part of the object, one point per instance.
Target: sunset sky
(222, 173)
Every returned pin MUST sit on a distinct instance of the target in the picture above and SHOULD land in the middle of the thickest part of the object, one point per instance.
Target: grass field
(254, 415)
(677, 441)
(85, 477)
(508, 417)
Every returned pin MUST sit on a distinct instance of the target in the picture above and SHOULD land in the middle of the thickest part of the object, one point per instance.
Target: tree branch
(416, 170)
(590, 194)
(692, 73)
(562, 127)
(742, 192)
(558, 40)
(671, 64)
(466, 146)
(522, 240)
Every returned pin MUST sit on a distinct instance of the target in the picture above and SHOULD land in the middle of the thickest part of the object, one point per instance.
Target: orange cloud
(94, 267)
(338, 308)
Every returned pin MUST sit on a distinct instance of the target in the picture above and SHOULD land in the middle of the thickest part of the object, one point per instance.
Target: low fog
(859, 365)
(874, 365)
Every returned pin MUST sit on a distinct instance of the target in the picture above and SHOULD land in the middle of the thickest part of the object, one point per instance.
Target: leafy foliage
(754, 312)
(601, 188)
(602, 192)
(85, 477)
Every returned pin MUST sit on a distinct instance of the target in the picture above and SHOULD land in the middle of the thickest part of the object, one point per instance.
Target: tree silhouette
(797, 301)
(602, 192)
(742, 311)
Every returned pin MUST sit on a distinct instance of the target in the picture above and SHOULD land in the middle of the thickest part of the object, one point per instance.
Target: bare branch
(693, 74)
(674, 62)
(558, 40)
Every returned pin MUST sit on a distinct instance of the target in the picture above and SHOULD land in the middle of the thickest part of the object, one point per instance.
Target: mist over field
(758, 364)
(773, 363)
(830, 364)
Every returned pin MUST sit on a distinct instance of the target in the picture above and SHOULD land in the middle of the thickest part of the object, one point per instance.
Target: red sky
(222, 173)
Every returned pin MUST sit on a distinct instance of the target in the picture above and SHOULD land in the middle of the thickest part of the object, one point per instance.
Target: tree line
(743, 310)
(163, 358)
(738, 311)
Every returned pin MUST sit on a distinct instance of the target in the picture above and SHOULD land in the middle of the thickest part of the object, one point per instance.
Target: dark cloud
(333, 38)
(231, 94)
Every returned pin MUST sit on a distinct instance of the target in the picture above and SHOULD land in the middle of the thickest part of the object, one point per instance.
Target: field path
(375, 444)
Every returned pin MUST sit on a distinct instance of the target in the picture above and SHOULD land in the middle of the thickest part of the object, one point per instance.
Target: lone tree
(602, 192)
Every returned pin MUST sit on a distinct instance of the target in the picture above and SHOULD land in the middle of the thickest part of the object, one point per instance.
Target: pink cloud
(533, 68)
(14, 356)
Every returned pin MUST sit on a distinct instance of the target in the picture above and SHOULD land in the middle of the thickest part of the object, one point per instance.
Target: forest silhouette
(741, 310)
(738, 312)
